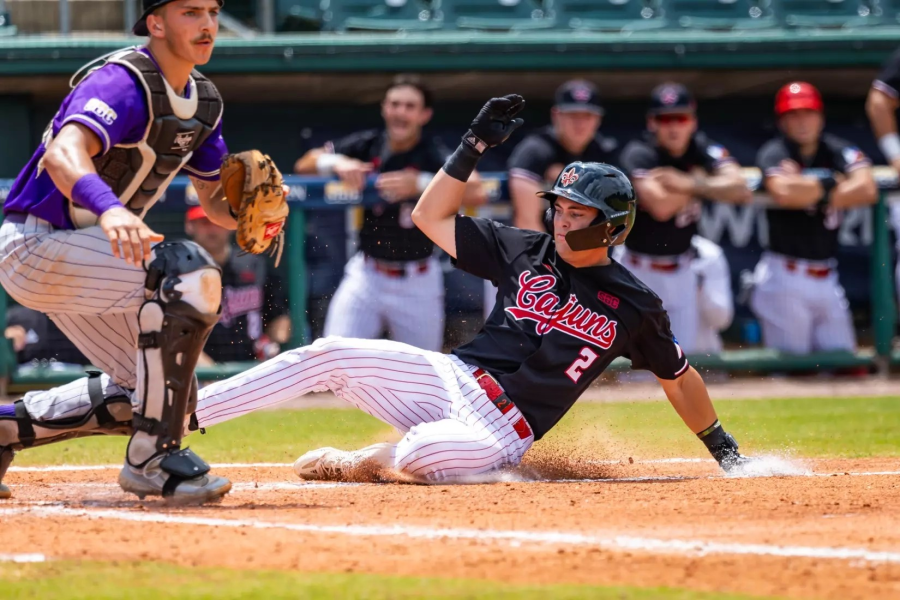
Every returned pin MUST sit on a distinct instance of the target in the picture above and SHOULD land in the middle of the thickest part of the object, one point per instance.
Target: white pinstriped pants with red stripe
(451, 429)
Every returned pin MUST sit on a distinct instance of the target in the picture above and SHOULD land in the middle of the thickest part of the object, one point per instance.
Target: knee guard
(107, 416)
(184, 288)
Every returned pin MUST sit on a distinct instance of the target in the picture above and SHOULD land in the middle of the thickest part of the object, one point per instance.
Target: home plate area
(831, 529)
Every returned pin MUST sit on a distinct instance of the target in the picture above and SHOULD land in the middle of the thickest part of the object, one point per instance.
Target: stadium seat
(298, 15)
(495, 15)
(609, 15)
(378, 15)
(826, 13)
(720, 14)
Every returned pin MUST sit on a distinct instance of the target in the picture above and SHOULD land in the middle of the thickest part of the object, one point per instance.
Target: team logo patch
(608, 299)
(183, 140)
(101, 109)
(536, 302)
(853, 155)
(669, 96)
(272, 229)
(717, 152)
(581, 94)
(569, 177)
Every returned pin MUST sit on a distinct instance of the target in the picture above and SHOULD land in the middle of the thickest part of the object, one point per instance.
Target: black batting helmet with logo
(599, 186)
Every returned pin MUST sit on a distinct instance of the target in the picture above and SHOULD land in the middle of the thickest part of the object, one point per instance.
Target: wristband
(719, 443)
(462, 162)
(890, 146)
(325, 163)
(92, 193)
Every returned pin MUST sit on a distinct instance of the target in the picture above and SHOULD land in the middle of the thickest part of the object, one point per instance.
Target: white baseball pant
(676, 288)
(367, 301)
(715, 300)
(451, 429)
(800, 313)
(73, 277)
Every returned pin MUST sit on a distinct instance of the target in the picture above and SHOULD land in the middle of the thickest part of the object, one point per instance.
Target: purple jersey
(111, 103)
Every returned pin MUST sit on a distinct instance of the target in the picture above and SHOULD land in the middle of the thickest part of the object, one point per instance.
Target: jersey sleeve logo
(101, 109)
(853, 155)
(569, 177)
(536, 302)
(717, 152)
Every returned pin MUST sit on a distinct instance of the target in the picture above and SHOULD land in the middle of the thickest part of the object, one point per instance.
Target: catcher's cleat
(168, 475)
(331, 464)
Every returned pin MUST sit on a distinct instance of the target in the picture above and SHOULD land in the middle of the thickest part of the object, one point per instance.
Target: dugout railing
(313, 193)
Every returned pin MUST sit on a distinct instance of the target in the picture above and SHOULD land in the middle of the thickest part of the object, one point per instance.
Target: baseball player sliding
(74, 246)
(564, 311)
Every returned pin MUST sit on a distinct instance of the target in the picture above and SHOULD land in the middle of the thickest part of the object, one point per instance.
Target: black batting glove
(723, 447)
(491, 127)
(495, 122)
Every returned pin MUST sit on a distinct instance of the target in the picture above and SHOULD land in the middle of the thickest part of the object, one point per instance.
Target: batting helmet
(599, 186)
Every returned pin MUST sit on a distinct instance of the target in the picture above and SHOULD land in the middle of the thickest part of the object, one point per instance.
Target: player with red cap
(812, 178)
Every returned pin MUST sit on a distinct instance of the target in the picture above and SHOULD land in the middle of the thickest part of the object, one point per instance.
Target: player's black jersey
(672, 237)
(810, 233)
(388, 232)
(540, 157)
(252, 297)
(555, 328)
(888, 80)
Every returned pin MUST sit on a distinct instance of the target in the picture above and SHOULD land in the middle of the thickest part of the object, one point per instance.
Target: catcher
(74, 246)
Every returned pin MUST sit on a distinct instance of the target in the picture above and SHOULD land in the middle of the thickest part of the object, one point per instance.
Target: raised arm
(435, 212)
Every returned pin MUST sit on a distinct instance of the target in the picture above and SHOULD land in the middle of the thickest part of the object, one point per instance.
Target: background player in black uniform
(881, 106)
(254, 321)
(674, 169)
(394, 282)
(564, 311)
(573, 135)
(812, 177)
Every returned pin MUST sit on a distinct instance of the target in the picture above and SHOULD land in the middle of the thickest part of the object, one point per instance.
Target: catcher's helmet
(599, 186)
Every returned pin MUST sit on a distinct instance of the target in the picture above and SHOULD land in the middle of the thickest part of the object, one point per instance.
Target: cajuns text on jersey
(555, 328)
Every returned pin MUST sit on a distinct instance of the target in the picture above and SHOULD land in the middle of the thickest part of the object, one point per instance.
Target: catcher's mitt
(254, 188)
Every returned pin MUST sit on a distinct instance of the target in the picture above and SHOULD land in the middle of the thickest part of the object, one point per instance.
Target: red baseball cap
(798, 95)
(194, 213)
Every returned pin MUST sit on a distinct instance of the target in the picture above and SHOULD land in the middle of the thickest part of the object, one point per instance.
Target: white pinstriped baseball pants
(367, 301)
(92, 296)
(451, 429)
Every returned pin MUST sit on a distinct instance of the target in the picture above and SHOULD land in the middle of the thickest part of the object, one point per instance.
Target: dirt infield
(833, 532)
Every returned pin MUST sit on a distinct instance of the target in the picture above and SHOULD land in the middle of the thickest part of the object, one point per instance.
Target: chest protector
(139, 173)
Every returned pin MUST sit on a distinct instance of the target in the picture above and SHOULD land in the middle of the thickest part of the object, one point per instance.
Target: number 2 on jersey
(581, 364)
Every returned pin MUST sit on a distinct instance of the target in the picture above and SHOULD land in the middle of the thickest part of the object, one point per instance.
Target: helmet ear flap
(548, 219)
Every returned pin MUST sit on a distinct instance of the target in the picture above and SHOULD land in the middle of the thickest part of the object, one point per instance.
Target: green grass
(809, 427)
(814, 427)
(266, 436)
(152, 581)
